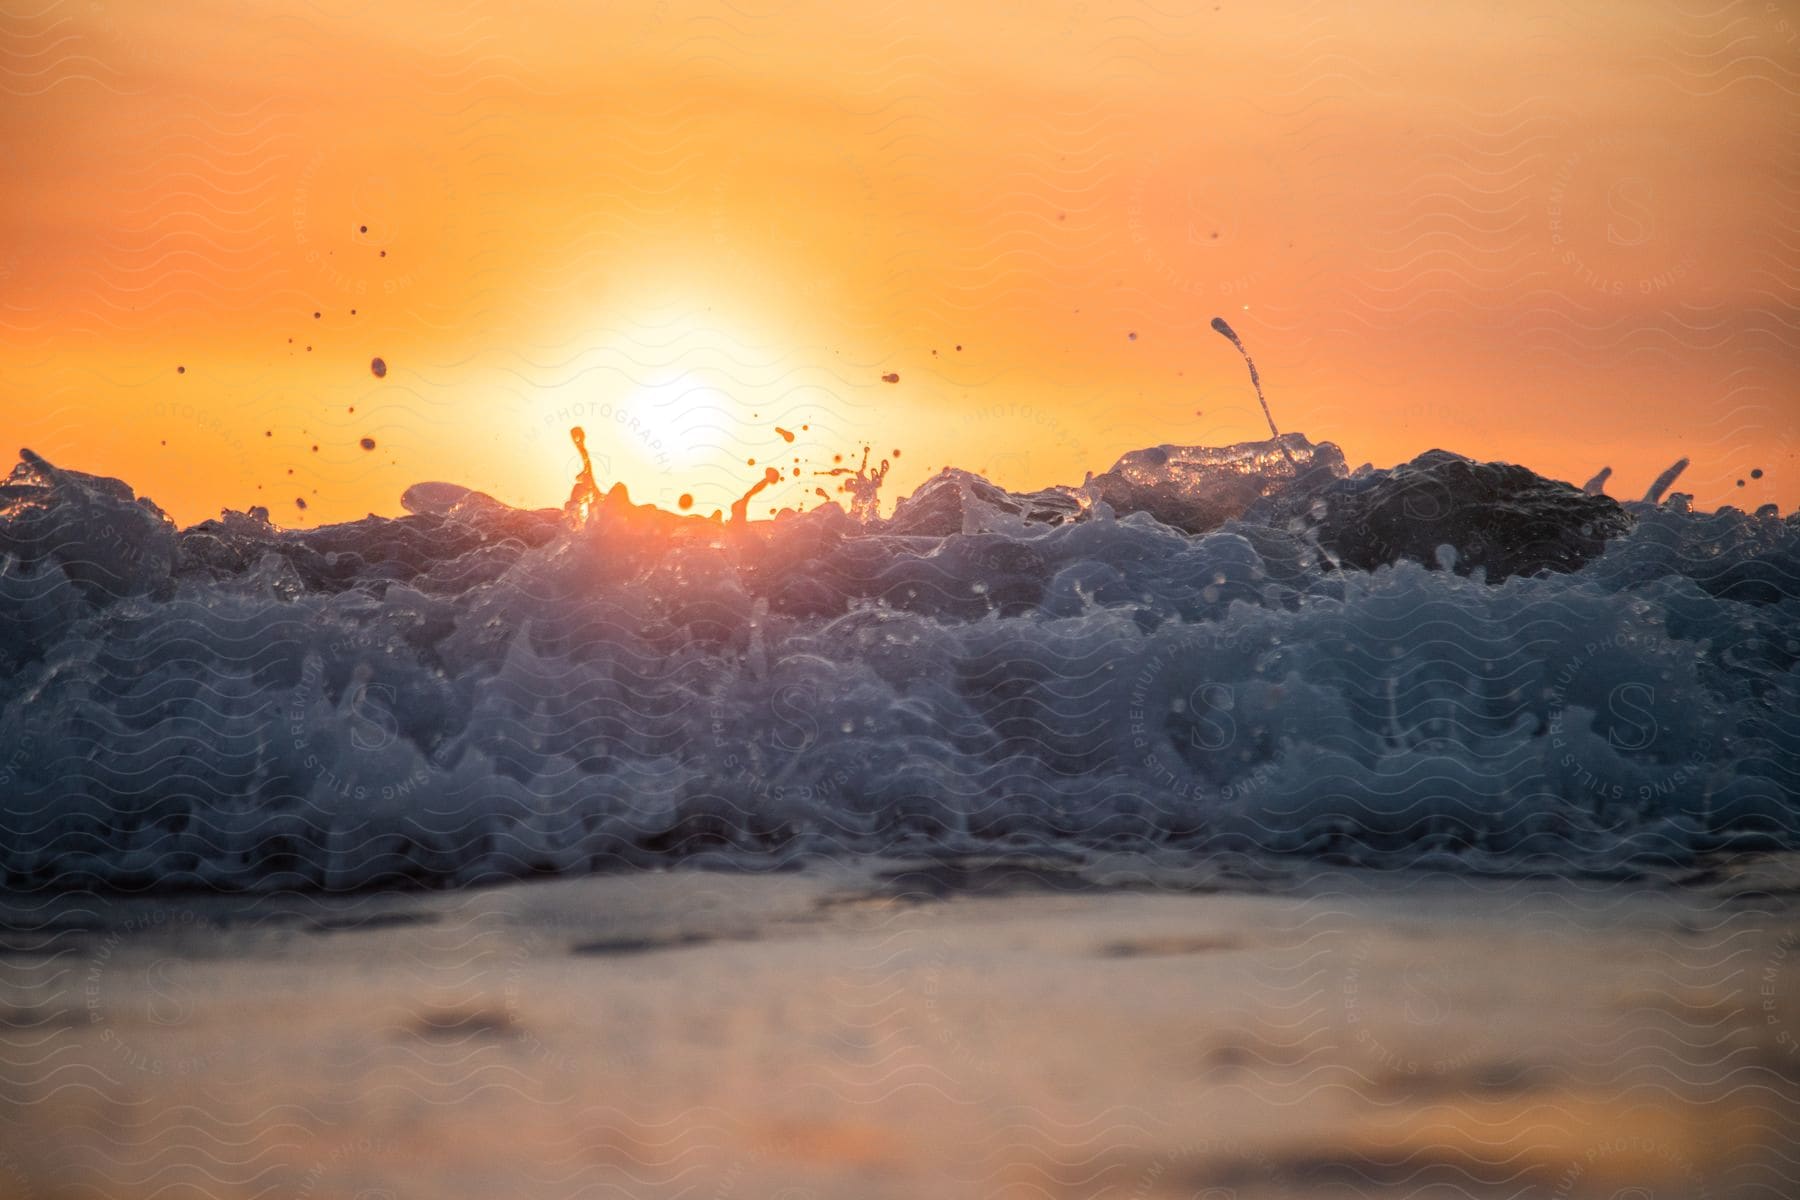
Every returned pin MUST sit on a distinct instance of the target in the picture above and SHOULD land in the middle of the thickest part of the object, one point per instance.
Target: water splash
(740, 508)
(1655, 494)
(193, 707)
(1218, 323)
(586, 492)
(863, 487)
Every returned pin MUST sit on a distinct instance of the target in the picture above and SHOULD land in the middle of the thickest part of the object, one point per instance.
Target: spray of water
(586, 492)
(1655, 494)
(740, 508)
(863, 487)
(1219, 324)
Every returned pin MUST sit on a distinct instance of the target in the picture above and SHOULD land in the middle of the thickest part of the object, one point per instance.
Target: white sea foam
(474, 691)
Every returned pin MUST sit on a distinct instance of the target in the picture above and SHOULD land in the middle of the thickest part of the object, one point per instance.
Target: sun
(691, 403)
(667, 420)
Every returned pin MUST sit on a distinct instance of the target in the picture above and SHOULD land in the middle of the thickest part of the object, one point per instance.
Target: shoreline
(883, 1028)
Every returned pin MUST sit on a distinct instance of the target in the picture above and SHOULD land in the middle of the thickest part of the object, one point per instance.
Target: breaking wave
(1207, 650)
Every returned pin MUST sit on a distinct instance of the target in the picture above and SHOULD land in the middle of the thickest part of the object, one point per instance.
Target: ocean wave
(1247, 648)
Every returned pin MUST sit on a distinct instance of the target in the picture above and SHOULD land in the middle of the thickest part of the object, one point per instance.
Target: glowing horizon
(1549, 236)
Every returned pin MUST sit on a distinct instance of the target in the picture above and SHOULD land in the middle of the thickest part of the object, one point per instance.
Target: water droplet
(378, 367)
(368, 443)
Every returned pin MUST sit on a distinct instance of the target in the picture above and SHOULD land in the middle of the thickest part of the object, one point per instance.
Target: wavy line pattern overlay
(1234, 823)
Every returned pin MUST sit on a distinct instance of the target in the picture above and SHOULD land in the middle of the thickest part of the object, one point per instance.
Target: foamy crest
(1191, 651)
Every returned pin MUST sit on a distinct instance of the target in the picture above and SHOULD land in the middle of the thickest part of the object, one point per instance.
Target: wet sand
(912, 1029)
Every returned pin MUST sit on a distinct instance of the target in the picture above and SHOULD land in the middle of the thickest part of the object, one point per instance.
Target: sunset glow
(797, 599)
(718, 220)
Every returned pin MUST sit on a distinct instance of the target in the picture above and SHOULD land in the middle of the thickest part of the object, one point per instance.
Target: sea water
(1165, 657)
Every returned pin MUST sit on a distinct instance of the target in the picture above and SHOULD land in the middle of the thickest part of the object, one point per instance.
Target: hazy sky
(1564, 234)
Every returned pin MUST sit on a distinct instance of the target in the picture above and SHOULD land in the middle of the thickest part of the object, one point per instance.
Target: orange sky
(1564, 234)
